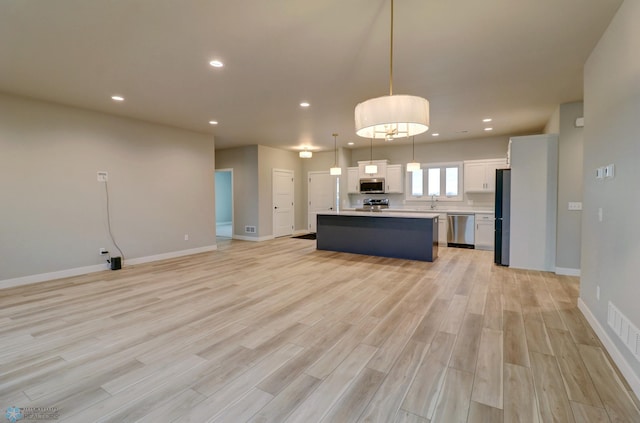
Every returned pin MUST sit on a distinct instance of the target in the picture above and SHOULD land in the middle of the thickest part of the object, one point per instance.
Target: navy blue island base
(379, 234)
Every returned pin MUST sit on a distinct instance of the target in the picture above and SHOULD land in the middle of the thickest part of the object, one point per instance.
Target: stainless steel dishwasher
(461, 230)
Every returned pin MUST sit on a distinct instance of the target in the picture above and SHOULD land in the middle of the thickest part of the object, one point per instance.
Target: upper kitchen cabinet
(381, 171)
(480, 175)
(394, 179)
(353, 181)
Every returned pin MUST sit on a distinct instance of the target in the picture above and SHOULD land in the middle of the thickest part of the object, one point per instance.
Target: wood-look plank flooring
(280, 332)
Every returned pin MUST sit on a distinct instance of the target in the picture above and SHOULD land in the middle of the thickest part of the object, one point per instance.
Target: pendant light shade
(335, 170)
(413, 166)
(392, 116)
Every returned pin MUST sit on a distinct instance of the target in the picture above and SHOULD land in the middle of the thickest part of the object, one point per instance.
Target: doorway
(321, 194)
(224, 203)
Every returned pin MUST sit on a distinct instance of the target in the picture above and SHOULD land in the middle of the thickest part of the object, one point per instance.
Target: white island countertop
(401, 214)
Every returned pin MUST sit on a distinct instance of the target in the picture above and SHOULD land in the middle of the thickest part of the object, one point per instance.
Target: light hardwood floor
(279, 332)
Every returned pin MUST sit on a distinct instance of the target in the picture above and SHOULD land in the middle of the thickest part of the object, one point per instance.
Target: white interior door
(321, 193)
(283, 213)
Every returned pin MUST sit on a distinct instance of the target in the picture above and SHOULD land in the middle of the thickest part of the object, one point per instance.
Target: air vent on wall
(626, 331)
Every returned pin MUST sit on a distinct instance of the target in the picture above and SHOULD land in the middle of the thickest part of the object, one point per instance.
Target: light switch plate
(600, 173)
(609, 171)
(103, 176)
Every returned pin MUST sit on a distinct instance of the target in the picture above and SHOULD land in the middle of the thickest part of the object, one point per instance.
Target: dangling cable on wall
(106, 191)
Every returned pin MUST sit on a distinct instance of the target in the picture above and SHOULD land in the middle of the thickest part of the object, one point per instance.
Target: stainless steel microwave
(372, 186)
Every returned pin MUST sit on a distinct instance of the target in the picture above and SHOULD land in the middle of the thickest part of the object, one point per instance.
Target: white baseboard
(252, 238)
(43, 277)
(170, 255)
(614, 352)
(566, 271)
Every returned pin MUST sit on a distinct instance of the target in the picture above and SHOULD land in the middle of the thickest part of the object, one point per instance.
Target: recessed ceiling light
(216, 63)
(488, 129)
(350, 143)
(435, 134)
(304, 104)
(213, 122)
(487, 120)
(117, 98)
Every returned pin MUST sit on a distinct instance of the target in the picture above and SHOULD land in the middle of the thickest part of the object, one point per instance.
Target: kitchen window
(436, 181)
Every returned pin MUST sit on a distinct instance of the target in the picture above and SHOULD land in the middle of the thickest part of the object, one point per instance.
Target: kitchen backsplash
(472, 202)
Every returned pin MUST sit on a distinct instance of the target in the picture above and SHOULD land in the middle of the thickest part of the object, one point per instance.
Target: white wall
(270, 158)
(252, 172)
(534, 188)
(244, 162)
(431, 152)
(570, 174)
(611, 248)
(52, 217)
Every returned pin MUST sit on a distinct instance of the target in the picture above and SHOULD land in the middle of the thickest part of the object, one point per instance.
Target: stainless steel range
(374, 204)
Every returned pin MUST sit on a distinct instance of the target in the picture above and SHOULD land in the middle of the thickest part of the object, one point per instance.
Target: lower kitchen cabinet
(484, 231)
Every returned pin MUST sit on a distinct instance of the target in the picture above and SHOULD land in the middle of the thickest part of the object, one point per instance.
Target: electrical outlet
(575, 205)
(103, 176)
(102, 251)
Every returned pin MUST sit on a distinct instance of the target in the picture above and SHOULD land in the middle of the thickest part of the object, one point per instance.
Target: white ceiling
(512, 60)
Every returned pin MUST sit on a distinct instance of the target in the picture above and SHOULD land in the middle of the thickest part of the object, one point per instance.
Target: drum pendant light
(392, 116)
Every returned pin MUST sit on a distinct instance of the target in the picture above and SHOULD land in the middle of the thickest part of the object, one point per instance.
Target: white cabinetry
(484, 231)
(353, 181)
(381, 171)
(480, 175)
(394, 179)
(442, 230)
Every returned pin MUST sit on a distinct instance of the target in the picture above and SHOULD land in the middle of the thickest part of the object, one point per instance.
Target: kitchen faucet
(433, 202)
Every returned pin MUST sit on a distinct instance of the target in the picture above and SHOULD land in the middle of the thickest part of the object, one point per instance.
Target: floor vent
(626, 331)
(250, 229)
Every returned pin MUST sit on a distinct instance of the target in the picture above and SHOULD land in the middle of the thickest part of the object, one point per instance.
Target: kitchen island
(412, 236)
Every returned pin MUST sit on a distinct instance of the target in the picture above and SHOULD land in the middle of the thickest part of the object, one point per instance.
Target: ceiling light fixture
(371, 169)
(350, 143)
(488, 129)
(413, 166)
(305, 154)
(435, 134)
(213, 122)
(117, 98)
(304, 104)
(485, 120)
(216, 63)
(392, 116)
(335, 170)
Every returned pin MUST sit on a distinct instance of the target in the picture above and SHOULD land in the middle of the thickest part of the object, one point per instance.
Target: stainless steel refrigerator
(503, 216)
